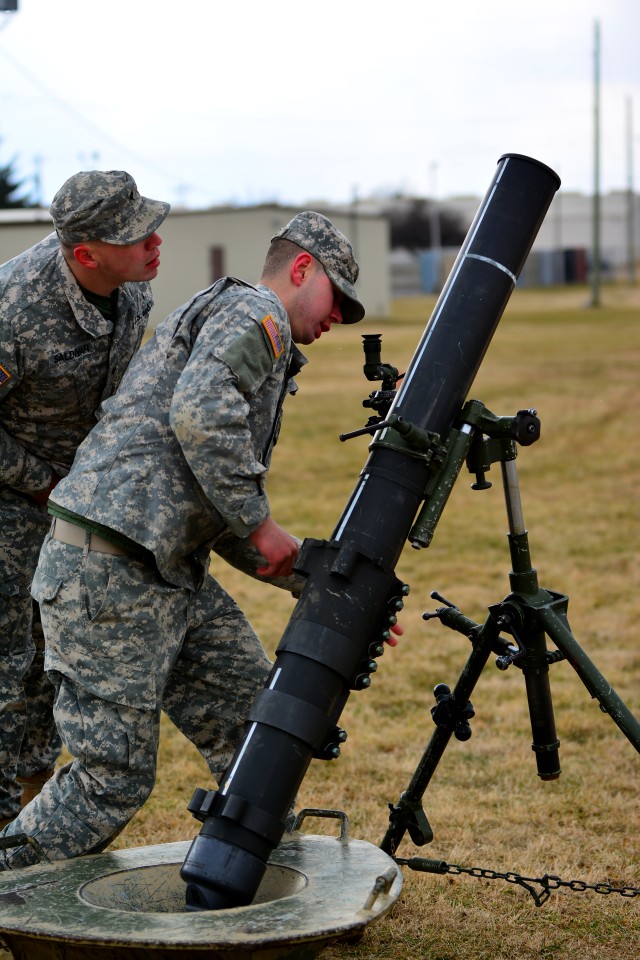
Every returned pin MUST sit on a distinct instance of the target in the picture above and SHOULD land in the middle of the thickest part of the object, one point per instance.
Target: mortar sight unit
(352, 594)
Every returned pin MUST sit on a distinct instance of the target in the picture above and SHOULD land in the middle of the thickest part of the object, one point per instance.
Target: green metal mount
(526, 617)
(481, 439)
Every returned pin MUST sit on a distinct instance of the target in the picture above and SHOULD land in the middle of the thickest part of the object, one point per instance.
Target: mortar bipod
(527, 615)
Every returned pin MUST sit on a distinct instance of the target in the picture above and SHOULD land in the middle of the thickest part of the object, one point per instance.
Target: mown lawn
(579, 366)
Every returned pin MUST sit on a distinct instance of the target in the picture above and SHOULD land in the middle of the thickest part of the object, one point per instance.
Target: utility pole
(595, 264)
(354, 223)
(631, 201)
(434, 224)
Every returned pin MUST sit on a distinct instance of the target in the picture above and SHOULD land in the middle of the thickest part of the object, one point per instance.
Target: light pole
(631, 211)
(595, 264)
(434, 223)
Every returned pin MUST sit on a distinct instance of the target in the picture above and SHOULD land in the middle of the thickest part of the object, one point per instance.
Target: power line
(88, 124)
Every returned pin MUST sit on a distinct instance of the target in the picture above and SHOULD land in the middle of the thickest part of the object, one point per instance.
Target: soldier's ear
(300, 267)
(84, 255)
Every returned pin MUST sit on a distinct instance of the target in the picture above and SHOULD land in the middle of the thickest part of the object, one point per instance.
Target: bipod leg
(545, 611)
(596, 684)
(408, 814)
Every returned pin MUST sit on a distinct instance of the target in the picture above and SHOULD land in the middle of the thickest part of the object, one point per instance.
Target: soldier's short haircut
(279, 255)
(67, 249)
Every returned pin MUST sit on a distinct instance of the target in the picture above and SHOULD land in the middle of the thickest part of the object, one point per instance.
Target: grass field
(579, 366)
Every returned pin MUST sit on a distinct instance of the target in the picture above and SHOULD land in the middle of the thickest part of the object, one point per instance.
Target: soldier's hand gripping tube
(351, 589)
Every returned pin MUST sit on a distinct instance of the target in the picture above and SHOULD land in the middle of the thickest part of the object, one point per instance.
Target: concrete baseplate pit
(129, 905)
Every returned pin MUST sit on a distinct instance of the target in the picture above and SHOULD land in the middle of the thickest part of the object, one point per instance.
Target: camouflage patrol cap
(104, 205)
(318, 236)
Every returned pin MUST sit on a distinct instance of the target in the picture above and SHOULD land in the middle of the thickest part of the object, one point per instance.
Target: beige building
(561, 252)
(568, 225)
(199, 246)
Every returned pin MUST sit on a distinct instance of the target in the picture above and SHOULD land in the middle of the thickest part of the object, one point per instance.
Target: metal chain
(547, 883)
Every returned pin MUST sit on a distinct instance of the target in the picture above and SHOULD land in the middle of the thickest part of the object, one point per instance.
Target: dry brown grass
(579, 366)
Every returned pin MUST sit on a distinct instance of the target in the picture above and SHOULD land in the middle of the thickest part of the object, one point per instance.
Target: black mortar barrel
(351, 590)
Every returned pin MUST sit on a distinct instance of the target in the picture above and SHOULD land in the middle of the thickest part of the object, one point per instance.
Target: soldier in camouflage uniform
(133, 619)
(73, 311)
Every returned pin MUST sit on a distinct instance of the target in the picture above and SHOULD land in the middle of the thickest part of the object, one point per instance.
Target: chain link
(547, 883)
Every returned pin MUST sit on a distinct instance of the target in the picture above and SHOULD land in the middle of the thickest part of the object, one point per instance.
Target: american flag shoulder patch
(4, 375)
(272, 333)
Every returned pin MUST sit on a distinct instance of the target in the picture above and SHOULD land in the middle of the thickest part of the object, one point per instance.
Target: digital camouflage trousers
(29, 742)
(121, 645)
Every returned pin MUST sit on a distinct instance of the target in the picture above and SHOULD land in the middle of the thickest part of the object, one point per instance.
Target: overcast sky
(208, 102)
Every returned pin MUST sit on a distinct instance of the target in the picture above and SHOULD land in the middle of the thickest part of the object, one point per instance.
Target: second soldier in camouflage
(73, 311)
